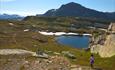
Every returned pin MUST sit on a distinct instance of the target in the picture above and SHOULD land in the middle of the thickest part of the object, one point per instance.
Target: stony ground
(54, 63)
(30, 63)
(17, 59)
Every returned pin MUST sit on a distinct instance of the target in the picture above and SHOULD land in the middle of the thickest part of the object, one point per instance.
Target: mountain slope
(77, 10)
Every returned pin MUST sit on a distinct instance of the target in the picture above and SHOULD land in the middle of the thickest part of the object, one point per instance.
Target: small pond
(74, 41)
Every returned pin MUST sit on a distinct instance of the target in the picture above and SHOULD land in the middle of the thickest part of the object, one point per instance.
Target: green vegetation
(66, 24)
(14, 36)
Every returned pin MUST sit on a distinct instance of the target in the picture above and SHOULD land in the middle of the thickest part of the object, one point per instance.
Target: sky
(33, 7)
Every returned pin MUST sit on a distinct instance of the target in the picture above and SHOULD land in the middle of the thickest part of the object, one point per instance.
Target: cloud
(6, 0)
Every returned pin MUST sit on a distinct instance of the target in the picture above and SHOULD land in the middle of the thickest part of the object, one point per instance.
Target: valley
(59, 39)
(25, 35)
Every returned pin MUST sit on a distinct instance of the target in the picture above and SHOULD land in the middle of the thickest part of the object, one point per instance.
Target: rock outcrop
(108, 48)
(15, 52)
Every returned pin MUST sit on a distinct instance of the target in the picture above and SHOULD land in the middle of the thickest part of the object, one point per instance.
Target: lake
(74, 41)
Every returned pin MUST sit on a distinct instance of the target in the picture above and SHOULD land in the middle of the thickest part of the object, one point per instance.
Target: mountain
(77, 10)
(10, 17)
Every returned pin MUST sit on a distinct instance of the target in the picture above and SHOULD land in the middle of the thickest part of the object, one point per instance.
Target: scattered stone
(87, 49)
(42, 54)
(26, 30)
(49, 51)
(69, 55)
(35, 45)
(11, 24)
(56, 53)
(34, 25)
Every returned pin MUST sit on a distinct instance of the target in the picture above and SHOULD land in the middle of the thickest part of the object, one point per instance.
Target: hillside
(67, 24)
(24, 35)
(77, 10)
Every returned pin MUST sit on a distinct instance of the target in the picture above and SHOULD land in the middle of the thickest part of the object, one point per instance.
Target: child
(92, 61)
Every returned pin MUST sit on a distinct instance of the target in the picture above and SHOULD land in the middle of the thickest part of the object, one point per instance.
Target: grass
(15, 37)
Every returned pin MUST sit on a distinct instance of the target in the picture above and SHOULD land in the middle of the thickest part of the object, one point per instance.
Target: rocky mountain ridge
(77, 10)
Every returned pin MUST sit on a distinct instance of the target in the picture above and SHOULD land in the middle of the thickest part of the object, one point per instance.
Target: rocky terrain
(19, 40)
(109, 45)
(108, 48)
(18, 59)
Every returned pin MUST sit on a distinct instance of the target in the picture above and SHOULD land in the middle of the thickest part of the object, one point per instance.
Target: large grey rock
(68, 54)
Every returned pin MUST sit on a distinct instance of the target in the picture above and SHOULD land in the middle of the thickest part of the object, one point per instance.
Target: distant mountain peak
(76, 10)
(71, 5)
(10, 17)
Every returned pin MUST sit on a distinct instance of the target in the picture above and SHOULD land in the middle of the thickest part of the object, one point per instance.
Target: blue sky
(32, 7)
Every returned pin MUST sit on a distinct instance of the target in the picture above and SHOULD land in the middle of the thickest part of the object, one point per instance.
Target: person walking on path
(92, 61)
